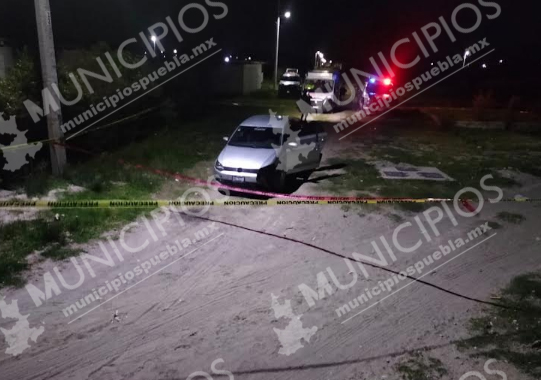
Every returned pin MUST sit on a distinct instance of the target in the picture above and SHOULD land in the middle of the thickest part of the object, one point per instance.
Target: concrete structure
(6, 57)
(237, 78)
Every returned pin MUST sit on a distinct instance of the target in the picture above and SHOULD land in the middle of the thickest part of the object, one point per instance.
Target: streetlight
(175, 51)
(154, 39)
(227, 59)
(467, 53)
(278, 22)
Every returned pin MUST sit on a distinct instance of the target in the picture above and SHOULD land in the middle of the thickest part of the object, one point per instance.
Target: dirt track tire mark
(142, 315)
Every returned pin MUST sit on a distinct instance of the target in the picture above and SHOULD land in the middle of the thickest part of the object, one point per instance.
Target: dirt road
(214, 299)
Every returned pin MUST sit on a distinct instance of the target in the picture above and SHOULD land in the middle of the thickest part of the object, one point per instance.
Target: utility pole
(50, 77)
(277, 53)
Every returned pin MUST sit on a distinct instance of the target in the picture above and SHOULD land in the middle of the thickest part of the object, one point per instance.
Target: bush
(71, 61)
(22, 82)
(39, 182)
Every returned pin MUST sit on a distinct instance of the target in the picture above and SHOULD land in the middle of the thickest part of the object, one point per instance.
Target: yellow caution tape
(102, 204)
(5, 148)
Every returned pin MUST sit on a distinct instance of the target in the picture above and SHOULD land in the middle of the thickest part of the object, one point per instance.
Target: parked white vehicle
(265, 150)
(290, 85)
(322, 86)
(292, 72)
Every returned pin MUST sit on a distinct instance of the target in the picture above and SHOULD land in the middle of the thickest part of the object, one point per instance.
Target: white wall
(253, 77)
(237, 79)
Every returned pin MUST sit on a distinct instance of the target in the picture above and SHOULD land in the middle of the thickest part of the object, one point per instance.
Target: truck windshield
(252, 137)
(291, 78)
(318, 84)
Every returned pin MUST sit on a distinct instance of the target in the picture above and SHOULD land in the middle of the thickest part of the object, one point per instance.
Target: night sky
(346, 30)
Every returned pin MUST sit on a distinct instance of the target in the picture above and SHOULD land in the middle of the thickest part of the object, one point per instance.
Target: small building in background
(237, 78)
(6, 57)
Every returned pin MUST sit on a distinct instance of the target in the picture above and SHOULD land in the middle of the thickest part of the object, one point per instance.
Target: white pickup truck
(322, 86)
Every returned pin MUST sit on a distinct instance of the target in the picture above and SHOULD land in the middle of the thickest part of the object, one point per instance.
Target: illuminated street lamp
(227, 59)
(467, 53)
(175, 51)
(154, 39)
(278, 22)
